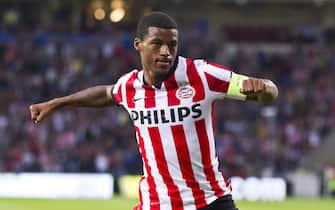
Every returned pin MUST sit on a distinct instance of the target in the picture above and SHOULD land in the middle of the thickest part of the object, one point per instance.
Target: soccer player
(170, 101)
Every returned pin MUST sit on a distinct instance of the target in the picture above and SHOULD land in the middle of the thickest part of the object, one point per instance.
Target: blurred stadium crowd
(251, 139)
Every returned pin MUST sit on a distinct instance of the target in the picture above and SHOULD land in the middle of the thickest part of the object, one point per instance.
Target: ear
(137, 43)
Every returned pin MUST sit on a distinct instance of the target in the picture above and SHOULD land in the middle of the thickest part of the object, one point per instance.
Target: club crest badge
(185, 92)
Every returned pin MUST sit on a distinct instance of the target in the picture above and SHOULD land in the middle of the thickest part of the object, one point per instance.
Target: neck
(151, 79)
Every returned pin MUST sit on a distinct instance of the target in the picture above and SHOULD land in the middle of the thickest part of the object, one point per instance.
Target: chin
(162, 70)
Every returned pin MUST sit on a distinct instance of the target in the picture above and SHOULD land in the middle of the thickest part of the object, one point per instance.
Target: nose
(164, 50)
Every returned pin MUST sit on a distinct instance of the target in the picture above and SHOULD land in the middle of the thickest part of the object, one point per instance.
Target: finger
(242, 89)
(261, 85)
(33, 114)
(33, 109)
(247, 86)
(35, 118)
(39, 118)
(244, 86)
(257, 85)
(253, 85)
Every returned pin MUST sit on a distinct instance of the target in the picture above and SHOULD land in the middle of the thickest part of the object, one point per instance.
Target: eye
(157, 43)
(173, 44)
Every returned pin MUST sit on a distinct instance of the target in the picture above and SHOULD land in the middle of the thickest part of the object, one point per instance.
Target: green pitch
(119, 203)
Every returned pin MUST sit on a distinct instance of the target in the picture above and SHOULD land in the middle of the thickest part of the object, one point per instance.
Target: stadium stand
(37, 63)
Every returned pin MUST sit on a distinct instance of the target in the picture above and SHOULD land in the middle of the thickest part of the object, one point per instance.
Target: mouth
(164, 62)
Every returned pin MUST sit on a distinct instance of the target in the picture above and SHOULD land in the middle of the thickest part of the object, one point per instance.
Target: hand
(39, 111)
(261, 90)
(253, 85)
(254, 88)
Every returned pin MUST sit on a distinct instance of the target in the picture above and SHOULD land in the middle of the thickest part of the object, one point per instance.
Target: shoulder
(201, 63)
(190, 60)
(208, 64)
(184, 62)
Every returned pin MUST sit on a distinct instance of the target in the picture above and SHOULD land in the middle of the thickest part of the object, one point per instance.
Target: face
(158, 50)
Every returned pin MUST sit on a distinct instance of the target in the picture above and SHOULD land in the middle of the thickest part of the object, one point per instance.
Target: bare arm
(98, 96)
(90, 97)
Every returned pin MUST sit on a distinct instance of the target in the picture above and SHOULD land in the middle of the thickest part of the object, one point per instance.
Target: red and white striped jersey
(174, 130)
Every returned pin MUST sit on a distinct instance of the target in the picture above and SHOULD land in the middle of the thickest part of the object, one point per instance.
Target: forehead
(161, 33)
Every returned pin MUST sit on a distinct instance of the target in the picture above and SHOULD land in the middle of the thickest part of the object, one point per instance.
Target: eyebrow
(160, 40)
(156, 40)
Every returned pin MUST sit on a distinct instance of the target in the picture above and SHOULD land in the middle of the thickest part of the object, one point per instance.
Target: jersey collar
(170, 72)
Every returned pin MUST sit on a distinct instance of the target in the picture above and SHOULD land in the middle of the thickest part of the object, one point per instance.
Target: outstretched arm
(98, 96)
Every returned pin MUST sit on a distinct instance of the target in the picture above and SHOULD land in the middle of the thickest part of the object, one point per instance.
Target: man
(170, 102)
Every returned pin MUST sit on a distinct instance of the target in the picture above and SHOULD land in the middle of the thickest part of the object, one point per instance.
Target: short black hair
(155, 19)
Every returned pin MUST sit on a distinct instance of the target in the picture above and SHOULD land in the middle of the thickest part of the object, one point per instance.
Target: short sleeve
(221, 81)
(217, 77)
(116, 92)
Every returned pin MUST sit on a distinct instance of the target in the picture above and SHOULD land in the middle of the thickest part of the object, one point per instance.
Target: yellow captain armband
(235, 84)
